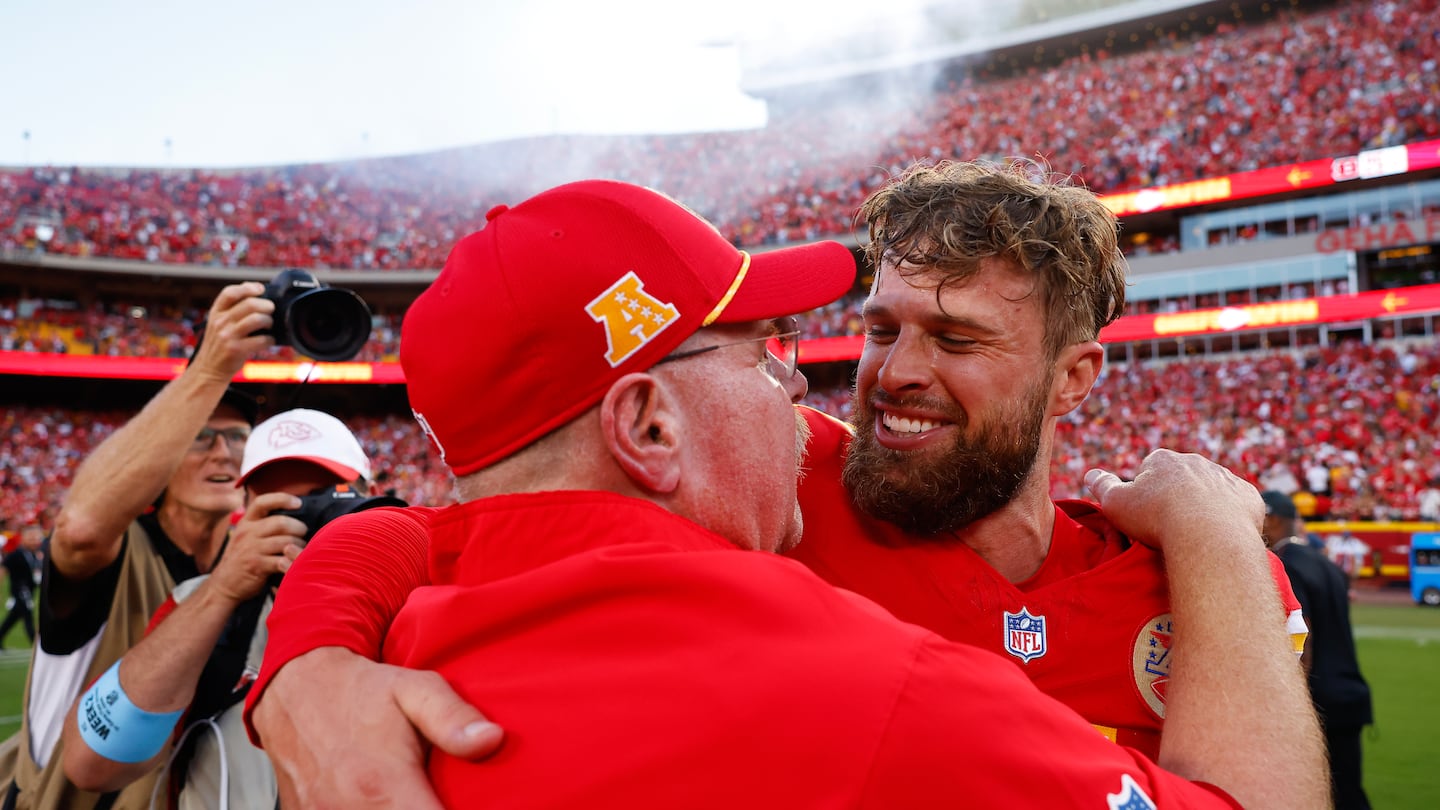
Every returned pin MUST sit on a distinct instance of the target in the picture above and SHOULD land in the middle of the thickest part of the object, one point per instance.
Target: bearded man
(981, 334)
(981, 327)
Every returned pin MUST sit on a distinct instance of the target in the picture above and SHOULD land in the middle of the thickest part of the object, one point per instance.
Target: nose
(905, 365)
(797, 386)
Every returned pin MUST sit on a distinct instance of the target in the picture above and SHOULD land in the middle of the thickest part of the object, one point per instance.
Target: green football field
(1399, 653)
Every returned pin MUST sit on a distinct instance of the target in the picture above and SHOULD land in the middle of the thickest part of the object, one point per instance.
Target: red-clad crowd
(1291, 86)
(1355, 424)
(120, 329)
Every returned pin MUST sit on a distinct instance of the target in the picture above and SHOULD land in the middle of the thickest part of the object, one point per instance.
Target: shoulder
(406, 519)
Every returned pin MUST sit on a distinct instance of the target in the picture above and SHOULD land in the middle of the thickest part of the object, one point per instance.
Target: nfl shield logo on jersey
(1024, 635)
(1130, 797)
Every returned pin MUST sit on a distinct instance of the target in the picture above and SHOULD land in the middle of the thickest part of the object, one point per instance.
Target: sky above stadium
(179, 83)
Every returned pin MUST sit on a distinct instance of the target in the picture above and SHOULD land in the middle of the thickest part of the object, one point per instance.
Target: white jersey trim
(55, 682)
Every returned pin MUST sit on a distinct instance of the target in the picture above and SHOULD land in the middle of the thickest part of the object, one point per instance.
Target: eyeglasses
(783, 350)
(235, 439)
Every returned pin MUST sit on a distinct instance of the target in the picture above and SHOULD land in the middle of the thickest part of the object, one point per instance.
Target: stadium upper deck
(139, 252)
(1186, 100)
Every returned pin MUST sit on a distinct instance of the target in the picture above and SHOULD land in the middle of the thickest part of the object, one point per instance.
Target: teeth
(903, 425)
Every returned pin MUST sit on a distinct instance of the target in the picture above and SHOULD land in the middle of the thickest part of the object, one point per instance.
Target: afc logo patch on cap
(631, 316)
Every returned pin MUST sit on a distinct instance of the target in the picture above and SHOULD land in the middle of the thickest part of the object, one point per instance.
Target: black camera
(324, 505)
(327, 323)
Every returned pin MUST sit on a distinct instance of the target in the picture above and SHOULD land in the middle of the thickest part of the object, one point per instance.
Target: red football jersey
(1091, 628)
(638, 660)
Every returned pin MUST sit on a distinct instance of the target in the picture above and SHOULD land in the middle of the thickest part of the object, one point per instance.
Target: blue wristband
(117, 729)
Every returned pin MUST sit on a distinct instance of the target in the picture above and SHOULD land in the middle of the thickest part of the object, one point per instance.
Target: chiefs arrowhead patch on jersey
(1150, 661)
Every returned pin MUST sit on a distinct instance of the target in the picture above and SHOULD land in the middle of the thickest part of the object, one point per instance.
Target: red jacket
(1091, 628)
(638, 660)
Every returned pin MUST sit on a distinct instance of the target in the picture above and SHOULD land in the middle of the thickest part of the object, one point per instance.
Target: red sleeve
(1000, 742)
(345, 589)
(1282, 581)
(165, 609)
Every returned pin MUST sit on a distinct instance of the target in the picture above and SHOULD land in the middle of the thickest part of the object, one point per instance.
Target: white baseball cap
(305, 435)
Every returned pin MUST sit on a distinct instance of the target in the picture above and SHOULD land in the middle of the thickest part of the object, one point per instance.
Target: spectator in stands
(1340, 692)
(150, 507)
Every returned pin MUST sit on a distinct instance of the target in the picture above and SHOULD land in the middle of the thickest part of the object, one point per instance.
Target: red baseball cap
(535, 316)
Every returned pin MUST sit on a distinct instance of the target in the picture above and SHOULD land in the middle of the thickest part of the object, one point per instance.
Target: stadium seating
(1293, 86)
(1365, 415)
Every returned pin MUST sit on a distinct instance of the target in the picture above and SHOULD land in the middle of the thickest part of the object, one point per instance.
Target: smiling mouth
(221, 479)
(900, 424)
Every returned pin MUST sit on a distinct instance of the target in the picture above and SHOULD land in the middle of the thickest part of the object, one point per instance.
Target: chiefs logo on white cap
(632, 317)
(290, 432)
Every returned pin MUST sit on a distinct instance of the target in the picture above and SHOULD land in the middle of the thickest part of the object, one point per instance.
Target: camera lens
(329, 324)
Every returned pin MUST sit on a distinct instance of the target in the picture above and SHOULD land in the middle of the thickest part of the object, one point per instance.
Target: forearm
(344, 590)
(91, 771)
(1238, 713)
(159, 676)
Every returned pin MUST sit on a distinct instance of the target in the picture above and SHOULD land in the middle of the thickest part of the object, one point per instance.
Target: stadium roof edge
(762, 81)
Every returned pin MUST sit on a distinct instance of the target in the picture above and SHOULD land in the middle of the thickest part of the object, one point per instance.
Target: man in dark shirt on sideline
(1339, 690)
(23, 566)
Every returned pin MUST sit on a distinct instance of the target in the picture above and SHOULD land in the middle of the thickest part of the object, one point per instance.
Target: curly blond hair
(946, 219)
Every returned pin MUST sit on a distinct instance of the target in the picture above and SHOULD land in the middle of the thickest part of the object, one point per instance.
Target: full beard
(947, 488)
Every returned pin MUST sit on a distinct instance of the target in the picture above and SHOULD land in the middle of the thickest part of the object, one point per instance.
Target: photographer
(150, 507)
(204, 645)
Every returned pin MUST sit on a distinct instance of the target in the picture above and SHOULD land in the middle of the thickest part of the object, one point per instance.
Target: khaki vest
(143, 585)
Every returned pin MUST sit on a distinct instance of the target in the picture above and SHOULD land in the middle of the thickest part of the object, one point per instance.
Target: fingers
(260, 545)
(237, 314)
(1172, 490)
(443, 718)
(1102, 484)
(331, 687)
(262, 505)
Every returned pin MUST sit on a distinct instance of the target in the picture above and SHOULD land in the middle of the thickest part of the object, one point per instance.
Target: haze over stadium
(276, 82)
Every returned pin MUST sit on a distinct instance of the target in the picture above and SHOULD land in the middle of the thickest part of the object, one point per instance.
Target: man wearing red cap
(587, 591)
(205, 644)
(150, 507)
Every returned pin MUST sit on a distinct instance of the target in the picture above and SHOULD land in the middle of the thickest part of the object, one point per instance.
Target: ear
(640, 424)
(1076, 370)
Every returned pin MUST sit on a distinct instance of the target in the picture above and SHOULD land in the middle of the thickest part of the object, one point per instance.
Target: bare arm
(1238, 714)
(127, 472)
(160, 673)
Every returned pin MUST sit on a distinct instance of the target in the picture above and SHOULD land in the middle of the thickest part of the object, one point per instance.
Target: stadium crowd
(1355, 423)
(1289, 87)
(121, 329)
(127, 329)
